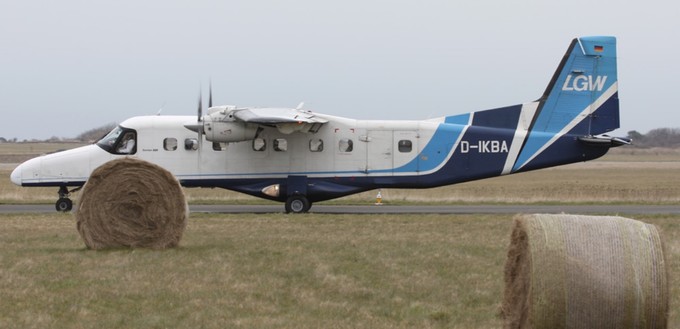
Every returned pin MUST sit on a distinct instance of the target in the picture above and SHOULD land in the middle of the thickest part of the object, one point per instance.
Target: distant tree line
(96, 133)
(660, 137)
(87, 136)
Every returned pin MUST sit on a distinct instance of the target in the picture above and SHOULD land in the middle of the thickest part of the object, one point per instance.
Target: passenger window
(170, 144)
(316, 145)
(346, 145)
(216, 146)
(259, 144)
(280, 145)
(191, 144)
(405, 146)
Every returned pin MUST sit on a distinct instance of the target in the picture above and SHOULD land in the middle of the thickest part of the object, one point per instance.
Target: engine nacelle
(228, 131)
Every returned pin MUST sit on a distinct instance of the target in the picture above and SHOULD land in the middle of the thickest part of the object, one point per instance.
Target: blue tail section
(583, 82)
(580, 102)
(581, 99)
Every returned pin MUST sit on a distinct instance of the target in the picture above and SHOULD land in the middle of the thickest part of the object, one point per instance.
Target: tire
(64, 205)
(297, 204)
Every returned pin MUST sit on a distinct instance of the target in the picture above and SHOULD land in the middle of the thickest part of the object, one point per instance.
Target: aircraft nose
(16, 175)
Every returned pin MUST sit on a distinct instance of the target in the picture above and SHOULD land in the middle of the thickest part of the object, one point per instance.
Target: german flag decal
(599, 49)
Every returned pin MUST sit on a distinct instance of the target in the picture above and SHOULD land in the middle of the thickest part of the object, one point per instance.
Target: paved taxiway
(410, 209)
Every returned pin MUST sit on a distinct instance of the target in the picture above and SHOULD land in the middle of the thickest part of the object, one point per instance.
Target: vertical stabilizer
(581, 98)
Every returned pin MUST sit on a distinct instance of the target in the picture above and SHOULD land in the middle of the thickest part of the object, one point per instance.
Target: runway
(406, 209)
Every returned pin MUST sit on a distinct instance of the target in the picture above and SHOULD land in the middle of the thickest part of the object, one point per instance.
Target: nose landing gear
(64, 204)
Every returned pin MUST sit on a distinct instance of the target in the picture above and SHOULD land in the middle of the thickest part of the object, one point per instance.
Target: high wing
(275, 116)
(286, 120)
(229, 123)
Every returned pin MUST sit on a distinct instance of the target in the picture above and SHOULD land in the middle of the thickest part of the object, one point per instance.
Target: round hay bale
(131, 203)
(567, 271)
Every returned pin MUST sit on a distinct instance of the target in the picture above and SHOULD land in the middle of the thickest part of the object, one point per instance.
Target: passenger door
(379, 151)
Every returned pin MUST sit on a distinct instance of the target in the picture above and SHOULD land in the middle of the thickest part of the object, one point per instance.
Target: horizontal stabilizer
(604, 141)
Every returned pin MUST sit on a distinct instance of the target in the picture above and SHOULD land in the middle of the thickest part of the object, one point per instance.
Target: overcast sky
(68, 66)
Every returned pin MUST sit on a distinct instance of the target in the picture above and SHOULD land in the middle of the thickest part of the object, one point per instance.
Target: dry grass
(628, 154)
(19, 152)
(308, 271)
(35, 148)
(625, 175)
(270, 271)
(259, 271)
(569, 184)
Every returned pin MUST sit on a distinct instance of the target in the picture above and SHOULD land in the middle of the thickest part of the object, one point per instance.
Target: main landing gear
(297, 204)
(64, 204)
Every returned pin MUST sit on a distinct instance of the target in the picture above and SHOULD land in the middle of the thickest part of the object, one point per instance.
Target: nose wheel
(64, 204)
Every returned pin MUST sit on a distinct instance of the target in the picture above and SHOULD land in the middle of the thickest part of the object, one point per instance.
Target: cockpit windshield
(107, 141)
(119, 141)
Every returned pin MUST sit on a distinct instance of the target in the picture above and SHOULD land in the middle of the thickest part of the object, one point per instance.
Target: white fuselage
(376, 148)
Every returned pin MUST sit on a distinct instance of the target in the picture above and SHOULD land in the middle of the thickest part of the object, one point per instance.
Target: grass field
(270, 271)
(599, 182)
(313, 270)
(625, 175)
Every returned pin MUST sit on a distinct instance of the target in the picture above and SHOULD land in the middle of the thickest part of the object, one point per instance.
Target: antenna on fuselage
(160, 109)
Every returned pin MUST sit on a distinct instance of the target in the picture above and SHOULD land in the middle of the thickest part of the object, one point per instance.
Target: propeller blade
(199, 124)
(210, 94)
(200, 108)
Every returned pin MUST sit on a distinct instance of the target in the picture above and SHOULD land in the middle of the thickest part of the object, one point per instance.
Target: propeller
(200, 120)
(200, 107)
(198, 127)
(200, 130)
(210, 94)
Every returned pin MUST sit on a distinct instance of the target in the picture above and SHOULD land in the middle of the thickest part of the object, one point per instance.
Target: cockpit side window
(119, 141)
(127, 144)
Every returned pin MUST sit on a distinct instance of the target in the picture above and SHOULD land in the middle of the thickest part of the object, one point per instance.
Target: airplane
(300, 157)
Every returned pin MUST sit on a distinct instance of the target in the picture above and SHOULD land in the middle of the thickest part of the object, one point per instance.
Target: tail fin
(585, 80)
(581, 99)
(580, 102)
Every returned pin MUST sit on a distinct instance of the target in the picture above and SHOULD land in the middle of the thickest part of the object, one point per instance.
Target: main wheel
(297, 204)
(64, 205)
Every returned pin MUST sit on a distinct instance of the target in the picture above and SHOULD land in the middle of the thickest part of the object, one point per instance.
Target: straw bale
(570, 271)
(131, 203)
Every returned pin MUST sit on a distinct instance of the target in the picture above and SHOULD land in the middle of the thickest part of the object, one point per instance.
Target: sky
(72, 65)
